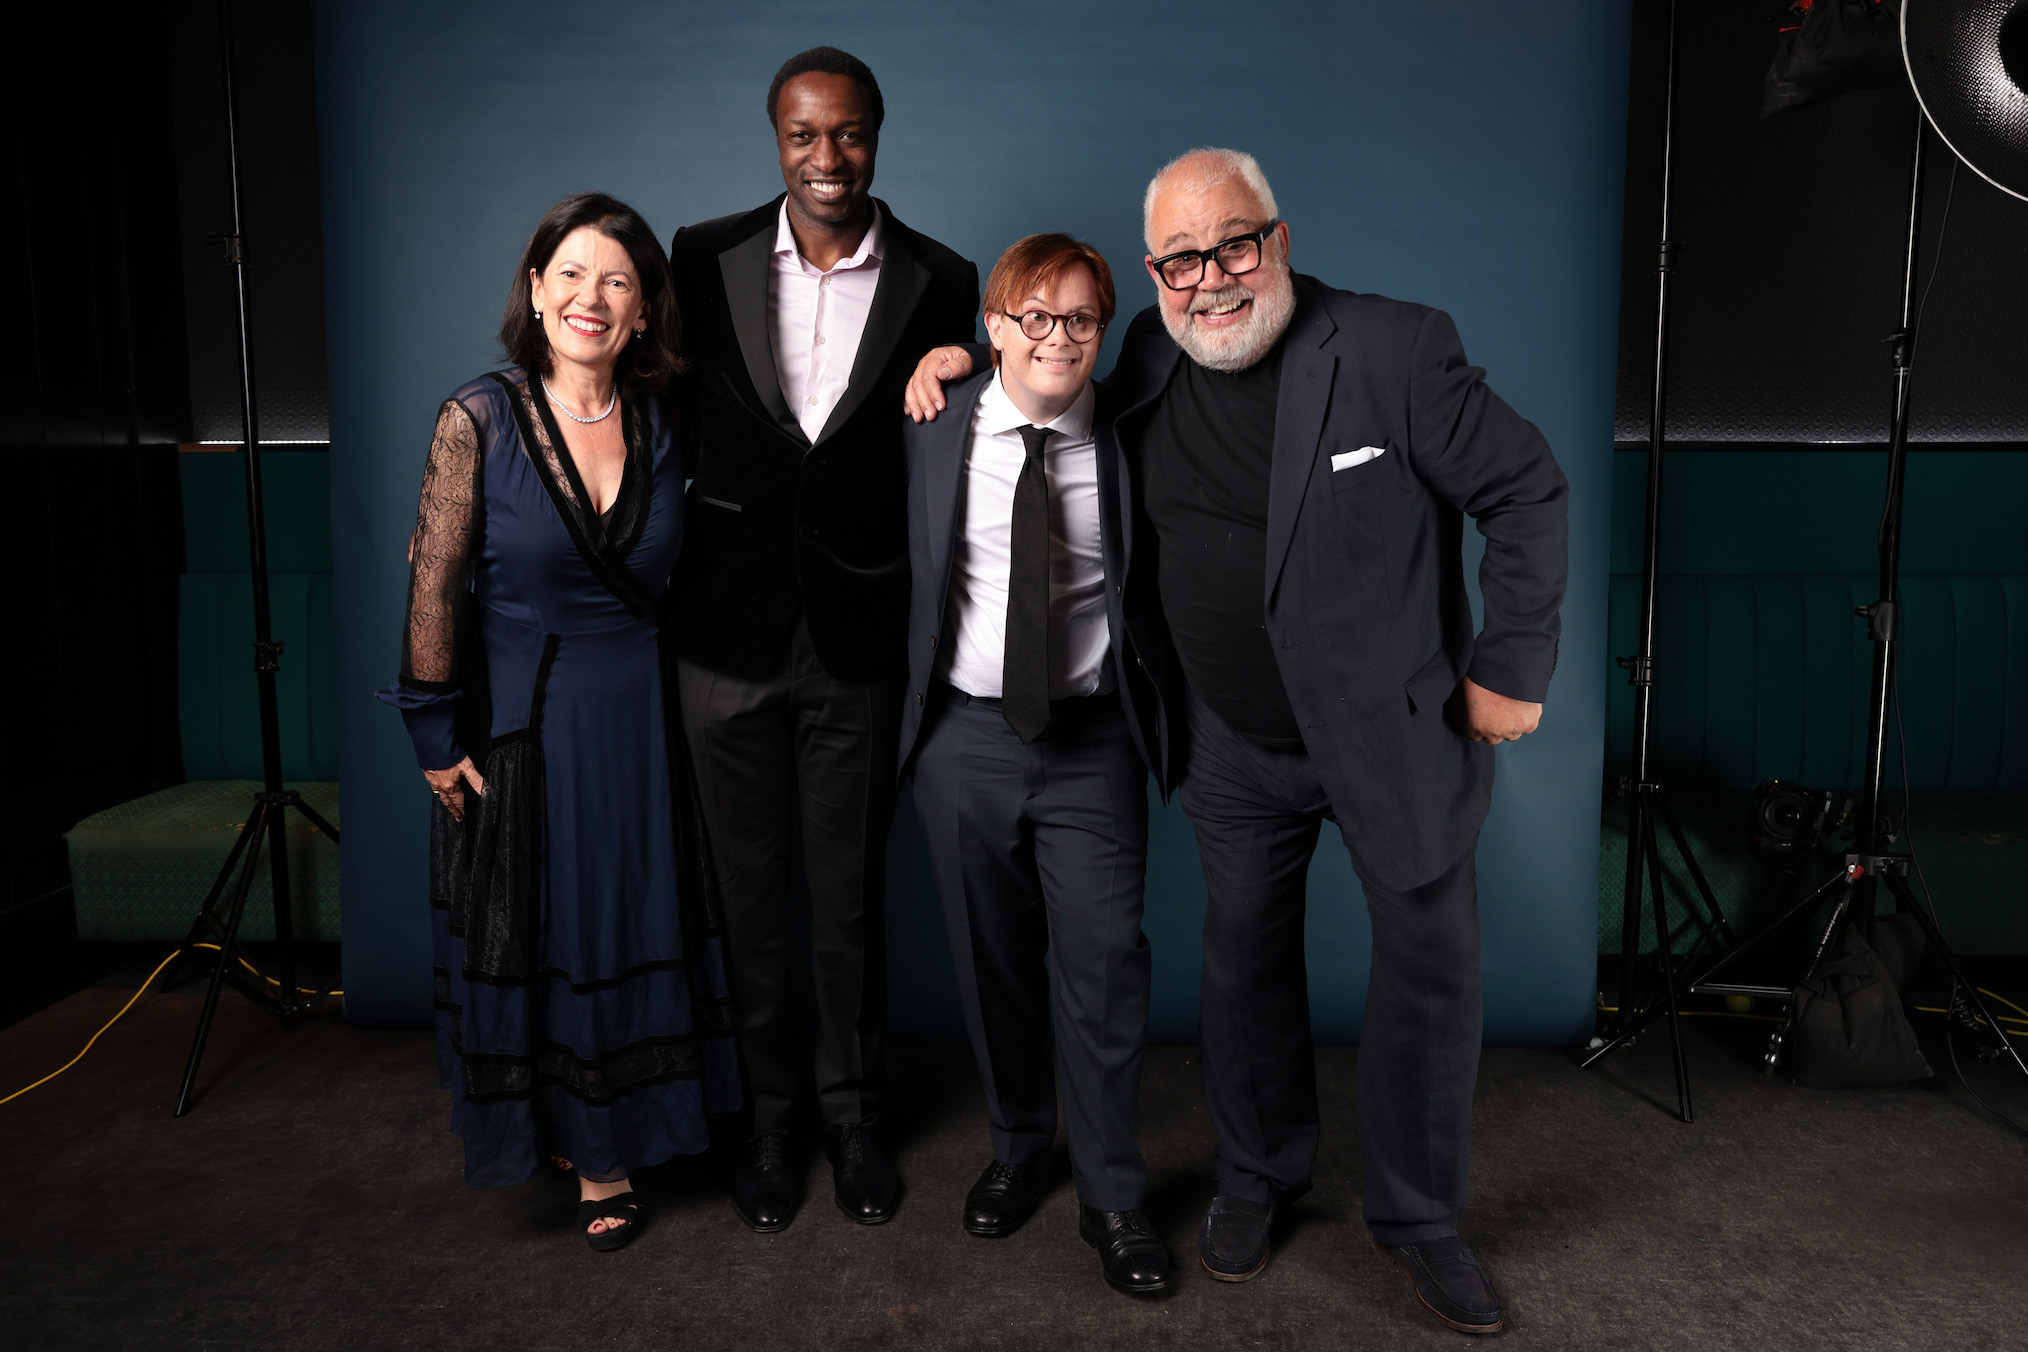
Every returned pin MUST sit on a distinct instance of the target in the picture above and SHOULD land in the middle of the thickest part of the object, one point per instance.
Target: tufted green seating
(1766, 677)
(139, 871)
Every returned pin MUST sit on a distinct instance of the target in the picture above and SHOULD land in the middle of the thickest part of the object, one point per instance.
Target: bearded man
(1303, 460)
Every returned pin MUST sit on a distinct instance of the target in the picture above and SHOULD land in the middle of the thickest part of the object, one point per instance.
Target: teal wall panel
(1469, 159)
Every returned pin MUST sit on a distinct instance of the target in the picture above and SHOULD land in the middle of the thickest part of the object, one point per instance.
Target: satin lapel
(944, 478)
(902, 282)
(1307, 375)
(744, 269)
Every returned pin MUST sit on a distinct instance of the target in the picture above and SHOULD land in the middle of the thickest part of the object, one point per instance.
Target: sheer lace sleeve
(441, 555)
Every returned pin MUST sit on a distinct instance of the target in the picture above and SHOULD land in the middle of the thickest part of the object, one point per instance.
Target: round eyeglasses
(1235, 258)
(1039, 324)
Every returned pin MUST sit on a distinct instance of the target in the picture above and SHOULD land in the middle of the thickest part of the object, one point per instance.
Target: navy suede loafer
(1450, 1283)
(1233, 1241)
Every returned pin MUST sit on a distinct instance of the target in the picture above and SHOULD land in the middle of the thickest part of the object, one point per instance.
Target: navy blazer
(1365, 599)
(934, 455)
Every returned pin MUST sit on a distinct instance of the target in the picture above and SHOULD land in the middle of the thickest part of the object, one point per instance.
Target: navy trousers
(1043, 850)
(1257, 814)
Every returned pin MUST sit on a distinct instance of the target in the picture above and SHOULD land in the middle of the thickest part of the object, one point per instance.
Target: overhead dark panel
(281, 215)
(1791, 231)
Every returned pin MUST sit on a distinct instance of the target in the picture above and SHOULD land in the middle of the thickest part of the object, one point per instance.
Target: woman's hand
(449, 785)
(924, 398)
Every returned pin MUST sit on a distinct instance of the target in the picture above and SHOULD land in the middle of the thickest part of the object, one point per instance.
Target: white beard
(1238, 346)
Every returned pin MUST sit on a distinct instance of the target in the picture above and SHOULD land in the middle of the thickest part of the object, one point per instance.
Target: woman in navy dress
(582, 1013)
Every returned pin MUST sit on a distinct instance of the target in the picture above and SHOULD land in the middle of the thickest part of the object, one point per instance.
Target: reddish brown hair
(1033, 263)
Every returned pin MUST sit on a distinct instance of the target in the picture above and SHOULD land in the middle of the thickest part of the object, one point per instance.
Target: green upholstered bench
(1766, 677)
(139, 871)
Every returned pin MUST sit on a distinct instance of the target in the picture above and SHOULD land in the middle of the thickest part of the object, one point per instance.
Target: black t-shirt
(1205, 456)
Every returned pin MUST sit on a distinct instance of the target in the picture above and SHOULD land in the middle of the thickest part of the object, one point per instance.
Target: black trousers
(1257, 815)
(1042, 850)
(800, 748)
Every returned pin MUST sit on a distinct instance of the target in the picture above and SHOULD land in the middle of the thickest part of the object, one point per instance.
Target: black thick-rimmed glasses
(1039, 324)
(1235, 258)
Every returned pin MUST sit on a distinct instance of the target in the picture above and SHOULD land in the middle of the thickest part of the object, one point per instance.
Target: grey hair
(1202, 168)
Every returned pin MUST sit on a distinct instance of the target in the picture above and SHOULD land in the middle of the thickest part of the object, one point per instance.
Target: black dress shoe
(1131, 1256)
(1001, 1200)
(1233, 1242)
(765, 1187)
(865, 1184)
(1450, 1282)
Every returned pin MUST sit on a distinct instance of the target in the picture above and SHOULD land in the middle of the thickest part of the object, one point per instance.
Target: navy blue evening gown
(581, 994)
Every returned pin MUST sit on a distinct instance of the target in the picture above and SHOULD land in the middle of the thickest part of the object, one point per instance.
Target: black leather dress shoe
(865, 1184)
(1233, 1241)
(1450, 1282)
(1132, 1257)
(765, 1187)
(1001, 1200)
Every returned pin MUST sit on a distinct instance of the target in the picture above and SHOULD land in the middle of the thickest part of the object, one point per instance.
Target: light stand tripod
(266, 826)
(1866, 865)
(1644, 857)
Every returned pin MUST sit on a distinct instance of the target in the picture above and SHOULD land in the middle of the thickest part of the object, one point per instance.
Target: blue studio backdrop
(1468, 157)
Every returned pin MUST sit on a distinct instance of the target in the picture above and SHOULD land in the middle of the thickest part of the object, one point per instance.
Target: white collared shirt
(817, 319)
(980, 556)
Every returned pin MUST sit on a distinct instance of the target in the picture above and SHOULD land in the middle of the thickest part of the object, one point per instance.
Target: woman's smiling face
(590, 299)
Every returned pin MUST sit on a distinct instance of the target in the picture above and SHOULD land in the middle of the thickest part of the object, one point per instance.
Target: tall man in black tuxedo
(805, 317)
(1305, 459)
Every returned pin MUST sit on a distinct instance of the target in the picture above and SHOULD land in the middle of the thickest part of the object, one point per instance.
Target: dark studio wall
(1791, 235)
(114, 173)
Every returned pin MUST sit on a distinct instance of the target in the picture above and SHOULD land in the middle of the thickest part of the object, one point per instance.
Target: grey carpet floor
(313, 1201)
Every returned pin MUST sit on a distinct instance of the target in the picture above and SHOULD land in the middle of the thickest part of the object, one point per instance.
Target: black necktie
(1024, 664)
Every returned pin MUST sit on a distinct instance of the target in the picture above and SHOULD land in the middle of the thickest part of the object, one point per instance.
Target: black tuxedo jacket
(936, 452)
(779, 525)
(1365, 600)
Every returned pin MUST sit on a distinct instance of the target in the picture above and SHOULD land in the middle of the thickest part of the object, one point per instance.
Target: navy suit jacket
(934, 454)
(1365, 601)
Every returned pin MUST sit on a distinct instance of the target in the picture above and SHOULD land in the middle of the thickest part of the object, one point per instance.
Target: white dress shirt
(980, 556)
(817, 320)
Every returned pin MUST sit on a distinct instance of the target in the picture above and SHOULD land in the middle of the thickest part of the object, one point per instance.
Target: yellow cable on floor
(95, 1036)
(174, 954)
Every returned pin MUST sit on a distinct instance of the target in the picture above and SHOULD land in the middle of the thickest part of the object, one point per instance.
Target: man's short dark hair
(827, 61)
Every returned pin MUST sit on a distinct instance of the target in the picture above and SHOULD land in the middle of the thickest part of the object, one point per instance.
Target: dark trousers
(1257, 815)
(1043, 850)
(800, 748)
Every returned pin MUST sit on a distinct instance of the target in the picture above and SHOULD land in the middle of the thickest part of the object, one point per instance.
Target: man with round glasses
(1029, 770)
(1302, 461)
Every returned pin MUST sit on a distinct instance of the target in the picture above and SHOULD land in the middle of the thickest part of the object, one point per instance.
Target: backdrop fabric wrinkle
(1468, 157)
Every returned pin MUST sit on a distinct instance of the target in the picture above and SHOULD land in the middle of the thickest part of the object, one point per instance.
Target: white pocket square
(1347, 459)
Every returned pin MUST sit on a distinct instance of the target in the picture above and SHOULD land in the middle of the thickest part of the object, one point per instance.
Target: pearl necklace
(610, 404)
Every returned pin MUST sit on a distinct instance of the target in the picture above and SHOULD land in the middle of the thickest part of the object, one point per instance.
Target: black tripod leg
(255, 825)
(1949, 961)
(1696, 872)
(1771, 1059)
(206, 921)
(278, 867)
(316, 819)
(1630, 914)
(1667, 963)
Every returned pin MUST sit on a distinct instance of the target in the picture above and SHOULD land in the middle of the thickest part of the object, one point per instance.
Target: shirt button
(820, 340)
(813, 401)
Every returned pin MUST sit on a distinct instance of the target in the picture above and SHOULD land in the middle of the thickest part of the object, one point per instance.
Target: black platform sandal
(624, 1207)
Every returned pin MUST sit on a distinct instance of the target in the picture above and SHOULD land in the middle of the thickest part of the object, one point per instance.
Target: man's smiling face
(824, 131)
(1224, 323)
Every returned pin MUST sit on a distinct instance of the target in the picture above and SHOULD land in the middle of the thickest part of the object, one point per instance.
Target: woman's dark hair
(829, 61)
(648, 361)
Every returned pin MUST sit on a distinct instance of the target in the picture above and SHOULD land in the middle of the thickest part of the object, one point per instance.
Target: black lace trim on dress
(442, 550)
(559, 479)
(488, 868)
(713, 1015)
(494, 1077)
